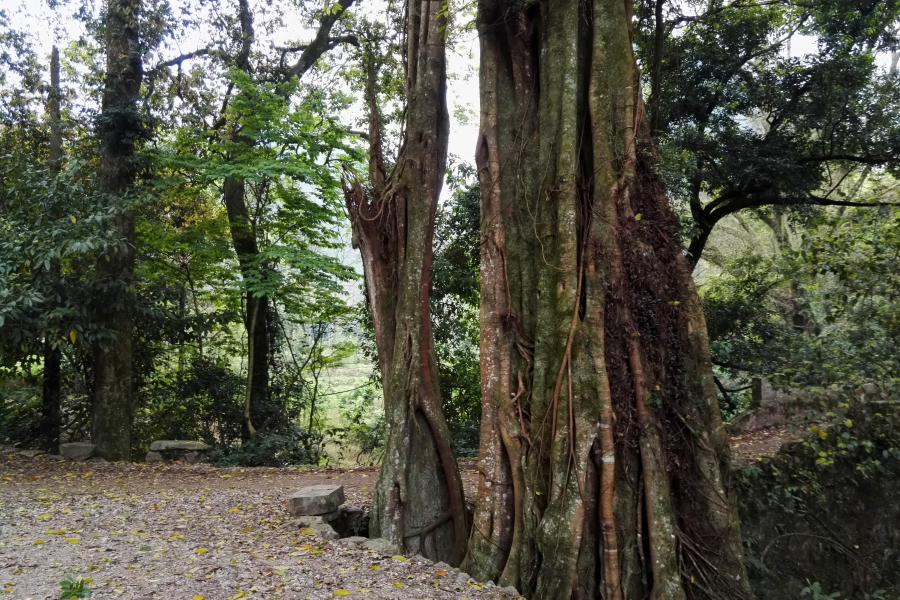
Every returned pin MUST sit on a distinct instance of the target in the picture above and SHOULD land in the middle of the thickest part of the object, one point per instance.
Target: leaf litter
(174, 531)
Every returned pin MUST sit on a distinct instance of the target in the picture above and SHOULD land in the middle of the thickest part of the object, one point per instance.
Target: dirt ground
(196, 532)
(749, 447)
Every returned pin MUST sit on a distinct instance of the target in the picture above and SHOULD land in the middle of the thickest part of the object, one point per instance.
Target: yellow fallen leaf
(201, 551)
(36, 542)
(375, 568)
(72, 540)
(233, 510)
(398, 584)
(45, 516)
(341, 593)
(399, 557)
(199, 597)
(224, 476)
(280, 570)
(246, 529)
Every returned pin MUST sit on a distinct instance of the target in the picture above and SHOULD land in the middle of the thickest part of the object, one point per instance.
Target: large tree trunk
(50, 398)
(418, 502)
(602, 445)
(119, 126)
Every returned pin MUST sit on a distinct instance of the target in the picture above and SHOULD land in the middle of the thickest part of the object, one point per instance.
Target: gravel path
(192, 532)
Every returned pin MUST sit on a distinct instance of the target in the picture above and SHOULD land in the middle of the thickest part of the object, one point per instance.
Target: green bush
(285, 448)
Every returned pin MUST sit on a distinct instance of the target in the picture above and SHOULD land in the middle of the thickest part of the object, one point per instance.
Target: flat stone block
(153, 457)
(31, 453)
(185, 445)
(77, 451)
(316, 500)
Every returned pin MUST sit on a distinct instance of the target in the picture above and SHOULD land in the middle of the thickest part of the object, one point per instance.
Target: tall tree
(418, 503)
(50, 397)
(602, 447)
(243, 231)
(120, 126)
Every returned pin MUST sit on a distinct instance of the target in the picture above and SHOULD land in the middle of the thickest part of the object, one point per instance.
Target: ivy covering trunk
(120, 126)
(603, 453)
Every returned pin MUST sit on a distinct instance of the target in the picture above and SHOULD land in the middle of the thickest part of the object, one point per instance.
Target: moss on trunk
(120, 126)
(418, 503)
(602, 443)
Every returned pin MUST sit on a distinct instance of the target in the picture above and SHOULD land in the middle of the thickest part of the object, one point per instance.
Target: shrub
(284, 448)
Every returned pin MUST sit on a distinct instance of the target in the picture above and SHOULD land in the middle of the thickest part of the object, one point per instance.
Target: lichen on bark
(602, 445)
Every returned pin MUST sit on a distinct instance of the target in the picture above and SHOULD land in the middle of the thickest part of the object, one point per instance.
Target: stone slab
(184, 445)
(77, 451)
(316, 500)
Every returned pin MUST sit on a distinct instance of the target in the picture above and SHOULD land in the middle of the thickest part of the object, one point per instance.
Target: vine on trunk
(603, 450)
(418, 503)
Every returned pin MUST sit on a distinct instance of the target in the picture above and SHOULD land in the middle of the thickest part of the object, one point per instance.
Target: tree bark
(602, 447)
(119, 126)
(418, 503)
(50, 398)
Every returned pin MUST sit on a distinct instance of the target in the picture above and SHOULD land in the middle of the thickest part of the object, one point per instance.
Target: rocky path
(193, 532)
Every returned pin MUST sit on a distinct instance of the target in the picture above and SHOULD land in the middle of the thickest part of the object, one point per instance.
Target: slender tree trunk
(243, 237)
(120, 126)
(602, 446)
(243, 234)
(659, 44)
(50, 400)
(418, 502)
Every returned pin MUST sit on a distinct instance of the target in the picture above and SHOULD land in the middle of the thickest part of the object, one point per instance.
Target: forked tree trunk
(602, 447)
(418, 502)
(119, 126)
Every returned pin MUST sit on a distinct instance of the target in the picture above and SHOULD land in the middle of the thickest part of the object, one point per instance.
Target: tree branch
(323, 42)
(180, 59)
(865, 160)
(727, 205)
